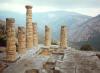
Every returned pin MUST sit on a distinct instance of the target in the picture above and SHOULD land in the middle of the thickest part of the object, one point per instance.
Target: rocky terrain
(88, 33)
(89, 30)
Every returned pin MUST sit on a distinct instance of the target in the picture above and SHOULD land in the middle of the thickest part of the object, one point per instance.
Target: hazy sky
(87, 7)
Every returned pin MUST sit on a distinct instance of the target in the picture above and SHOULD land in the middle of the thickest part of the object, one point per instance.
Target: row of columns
(28, 38)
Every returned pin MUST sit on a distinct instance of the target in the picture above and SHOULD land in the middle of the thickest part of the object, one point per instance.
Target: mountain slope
(88, 32)
(56, 17)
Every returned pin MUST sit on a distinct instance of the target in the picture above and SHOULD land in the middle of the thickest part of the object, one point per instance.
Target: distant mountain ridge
(44, 17)
(88, 29)
(53, 19)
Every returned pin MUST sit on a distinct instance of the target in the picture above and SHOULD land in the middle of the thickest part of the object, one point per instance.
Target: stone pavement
(73, 61)
(28, 61)
(79, 62)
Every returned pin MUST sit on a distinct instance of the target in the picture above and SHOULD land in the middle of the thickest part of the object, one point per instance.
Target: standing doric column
(47, 36)
(11, 39)
(29, 27)
(63, 37)
(21, 40)
(35, 35)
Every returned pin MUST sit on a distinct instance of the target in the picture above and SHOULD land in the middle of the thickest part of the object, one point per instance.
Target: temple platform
(67, 60)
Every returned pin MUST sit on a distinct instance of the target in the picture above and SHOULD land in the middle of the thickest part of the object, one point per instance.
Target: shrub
(54, 42)
(86, 47)
(3, 40)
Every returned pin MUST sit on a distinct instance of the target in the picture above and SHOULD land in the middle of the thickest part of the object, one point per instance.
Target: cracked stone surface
(79, 62)
(73, 61)
(28, 61)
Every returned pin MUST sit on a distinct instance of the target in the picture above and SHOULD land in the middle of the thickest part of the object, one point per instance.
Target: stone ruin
(28, 38)
(61, 60)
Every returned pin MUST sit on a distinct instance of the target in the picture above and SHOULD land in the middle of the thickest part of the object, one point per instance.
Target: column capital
(10, 19)
(21, 27)
(63, 26)
(28, 6)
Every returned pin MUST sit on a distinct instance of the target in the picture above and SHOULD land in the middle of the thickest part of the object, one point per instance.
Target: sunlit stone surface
(67, 61)
(29, 27)
(11, 40)
(47, 36)
(21, 40)
(35, 35)
(63, 37)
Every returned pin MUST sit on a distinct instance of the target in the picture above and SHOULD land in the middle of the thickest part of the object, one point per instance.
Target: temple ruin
(45, 57)
(28, 38)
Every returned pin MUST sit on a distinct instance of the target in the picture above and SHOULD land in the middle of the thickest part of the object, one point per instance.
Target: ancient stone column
(63, 37)
(47, 36)
(29, 27)
(21, 40)
(35, 35)
(11, 39)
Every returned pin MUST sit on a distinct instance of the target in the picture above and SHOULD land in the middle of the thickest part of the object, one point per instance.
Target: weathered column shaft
(21, 40)
(35, 35)
(29, 27)
(63, 37)
(11, 39)
(47, 36)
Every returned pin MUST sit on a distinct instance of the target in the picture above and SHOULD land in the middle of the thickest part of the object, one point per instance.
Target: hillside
(88, 32)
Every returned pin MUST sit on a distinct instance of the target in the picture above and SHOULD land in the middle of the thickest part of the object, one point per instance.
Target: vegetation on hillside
(87, 47)
(2, 33)
(54, 42)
